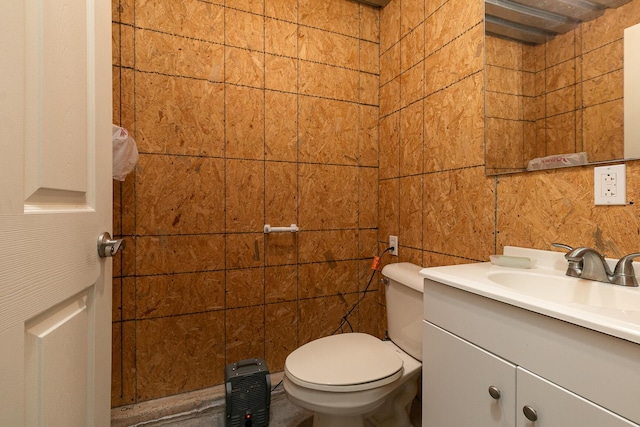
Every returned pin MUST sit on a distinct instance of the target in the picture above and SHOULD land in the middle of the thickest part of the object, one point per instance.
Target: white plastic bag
(125, 153)
(558, 161)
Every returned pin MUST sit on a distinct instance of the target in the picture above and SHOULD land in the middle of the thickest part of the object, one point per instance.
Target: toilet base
(328, 420)
(392, 412)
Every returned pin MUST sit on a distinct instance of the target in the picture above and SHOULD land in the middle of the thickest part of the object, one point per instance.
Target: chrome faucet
(587, 263)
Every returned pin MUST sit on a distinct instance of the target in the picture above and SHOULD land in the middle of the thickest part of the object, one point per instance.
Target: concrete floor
(206, 408)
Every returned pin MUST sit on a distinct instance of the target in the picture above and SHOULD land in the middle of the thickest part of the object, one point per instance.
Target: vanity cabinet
(465, 385)
(484, 361)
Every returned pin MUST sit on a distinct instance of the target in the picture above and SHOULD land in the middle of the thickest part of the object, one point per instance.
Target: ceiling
(535, 21)
(538, 21)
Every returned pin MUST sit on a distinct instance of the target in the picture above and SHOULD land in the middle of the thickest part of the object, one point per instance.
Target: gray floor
(283, 414)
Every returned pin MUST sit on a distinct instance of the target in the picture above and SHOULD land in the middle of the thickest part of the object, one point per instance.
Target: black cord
(276, 386)
(364, 293)
(346, 316)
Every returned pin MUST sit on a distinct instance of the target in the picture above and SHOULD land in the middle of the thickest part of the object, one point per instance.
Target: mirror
(560, 96)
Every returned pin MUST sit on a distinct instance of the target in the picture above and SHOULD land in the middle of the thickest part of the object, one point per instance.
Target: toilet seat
(344, 363)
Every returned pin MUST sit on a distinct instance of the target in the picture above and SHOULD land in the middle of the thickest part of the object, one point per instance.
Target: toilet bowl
(356, 379)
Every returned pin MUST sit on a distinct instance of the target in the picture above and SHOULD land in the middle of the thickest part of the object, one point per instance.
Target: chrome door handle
(108, 247)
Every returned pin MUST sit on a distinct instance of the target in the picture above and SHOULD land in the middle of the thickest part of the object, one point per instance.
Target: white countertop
(545, 289)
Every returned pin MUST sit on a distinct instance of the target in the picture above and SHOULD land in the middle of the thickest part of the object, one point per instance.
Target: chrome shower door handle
(108, 247)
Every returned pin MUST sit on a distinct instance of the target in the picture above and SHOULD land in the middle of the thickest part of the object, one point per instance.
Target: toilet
(356, 379)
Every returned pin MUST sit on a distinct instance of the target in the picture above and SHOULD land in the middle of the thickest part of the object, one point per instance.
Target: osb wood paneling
(411, 139)
(390, 64)
(319, 317)
(244, 287)
(454, 126)
(389, 206)
(174, 55)
(281, 283)
(390, 25)
(191, 122)
(205, 22)
(328, 131)
(280, 338)
(244, 67)
(244, 122)
(603, 60)
(448, 22)
(166, 183)
(411, 211)
(177, 294)
(316, 210)
(328, 278)
(504, 53)
(390, 146)
(604, 130)
(412, 84)
(466, 52)
(286, 10)
(188, 350)
(342, 86)
(459, 217)
(504, 144)
(390, 97)
(179, 254)
(337, 16)
(281, 126)
(412, 48)
(281, 37)
(369, 57)
(244, 196)
(328, 48)
(368, 136)
(535, 210)
(243, 29)
(610, 26)
(244, 333)
(328, 246)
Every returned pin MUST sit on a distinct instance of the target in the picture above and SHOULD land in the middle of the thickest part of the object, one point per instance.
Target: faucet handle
(624, 273)
(562, 246)
(574, 267)
(624, 267)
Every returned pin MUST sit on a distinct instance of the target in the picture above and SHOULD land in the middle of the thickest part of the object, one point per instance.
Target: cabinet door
(456, 379)
(555, 406)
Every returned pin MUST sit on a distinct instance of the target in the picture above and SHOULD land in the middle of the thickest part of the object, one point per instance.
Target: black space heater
(248, 393)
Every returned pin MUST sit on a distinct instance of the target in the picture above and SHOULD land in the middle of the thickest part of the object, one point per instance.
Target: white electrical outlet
(393, 243)
(609, 185)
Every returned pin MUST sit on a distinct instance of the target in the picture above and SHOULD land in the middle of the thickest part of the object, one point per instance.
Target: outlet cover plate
(609, 185)
(393, 242)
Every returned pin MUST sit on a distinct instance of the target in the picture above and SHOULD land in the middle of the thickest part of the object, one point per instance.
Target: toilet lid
(344, 360)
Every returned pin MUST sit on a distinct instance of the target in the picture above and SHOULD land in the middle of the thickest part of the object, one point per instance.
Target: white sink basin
(594, 296)
(546, 289)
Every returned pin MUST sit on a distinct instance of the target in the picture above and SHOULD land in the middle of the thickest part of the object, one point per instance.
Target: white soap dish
(512, 261)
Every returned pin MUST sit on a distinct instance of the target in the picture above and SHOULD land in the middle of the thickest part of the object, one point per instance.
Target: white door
(55, 200)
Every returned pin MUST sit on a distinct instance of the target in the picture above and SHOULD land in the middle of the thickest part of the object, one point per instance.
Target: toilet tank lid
(405, 273)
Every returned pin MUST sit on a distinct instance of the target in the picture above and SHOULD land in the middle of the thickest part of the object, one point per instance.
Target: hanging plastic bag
(125, 153)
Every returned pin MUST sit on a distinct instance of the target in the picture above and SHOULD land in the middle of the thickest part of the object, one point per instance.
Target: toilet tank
(404, 289)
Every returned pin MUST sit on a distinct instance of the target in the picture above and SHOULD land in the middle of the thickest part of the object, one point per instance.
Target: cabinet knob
(530, 413)
(494, 392)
